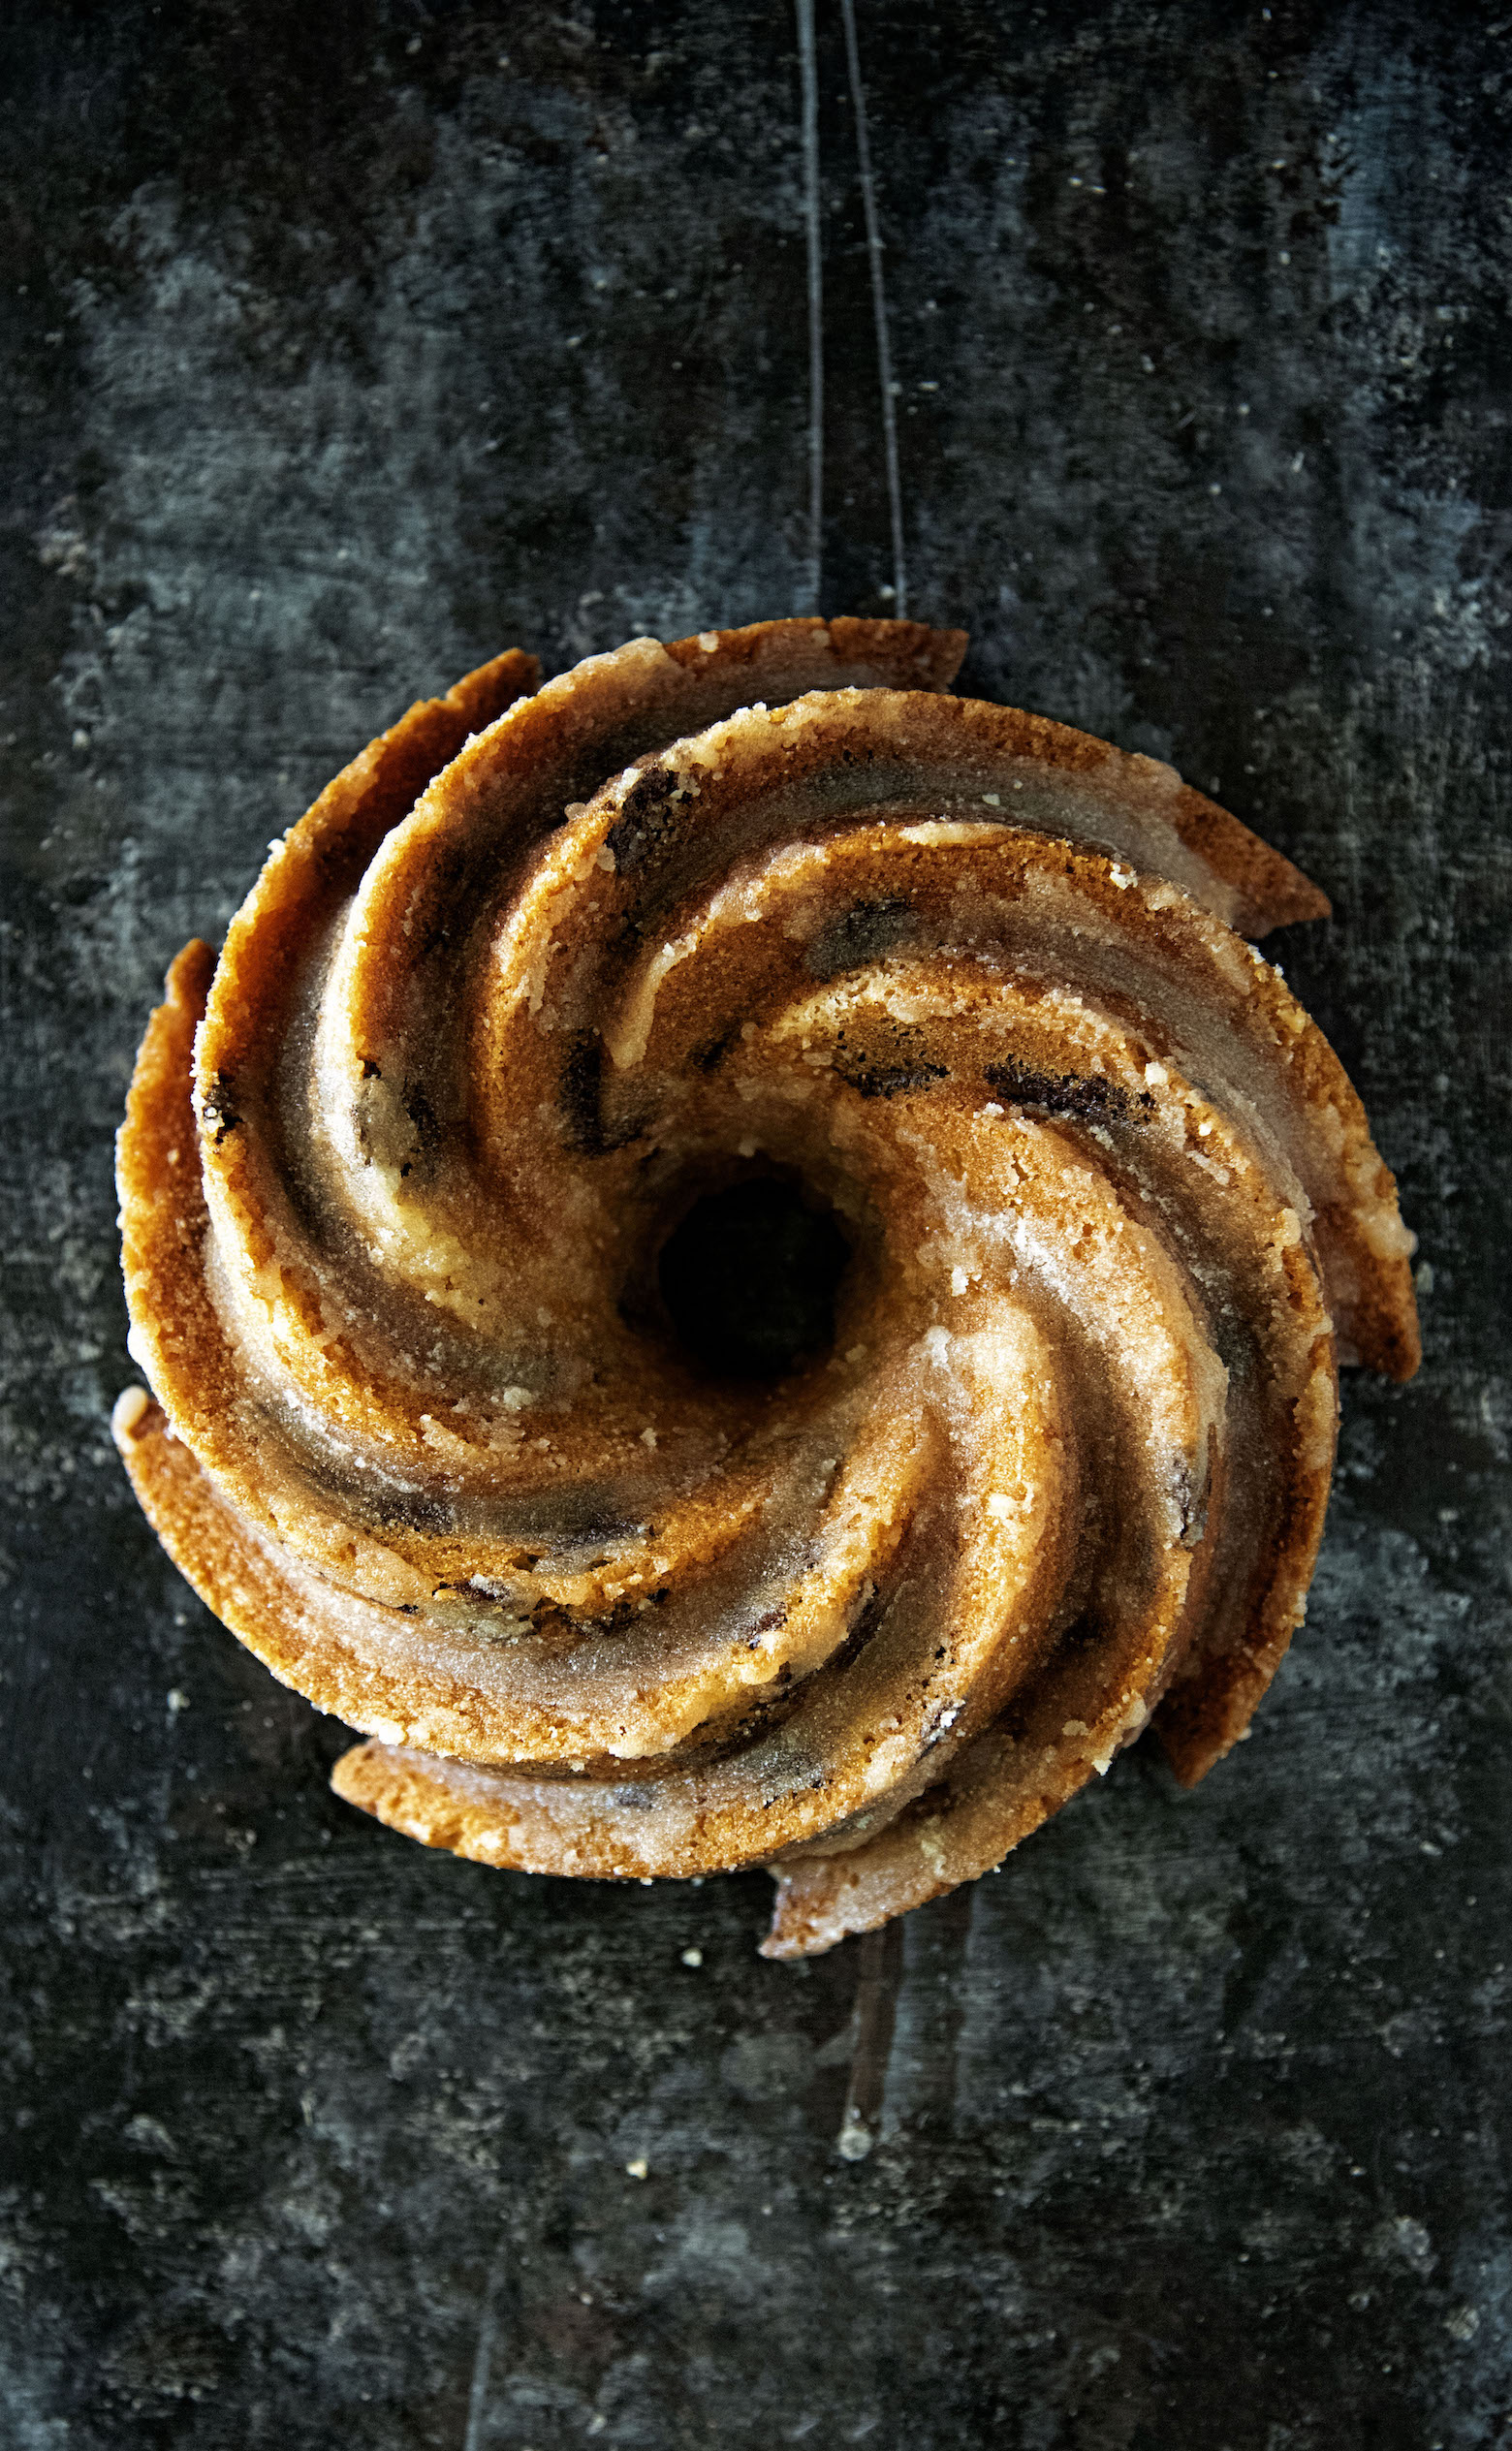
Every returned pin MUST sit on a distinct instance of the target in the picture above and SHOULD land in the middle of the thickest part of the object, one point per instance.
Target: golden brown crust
(395, 1169)
(868, 654)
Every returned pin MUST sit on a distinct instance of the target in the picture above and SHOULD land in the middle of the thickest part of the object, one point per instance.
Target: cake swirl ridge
(551, 985)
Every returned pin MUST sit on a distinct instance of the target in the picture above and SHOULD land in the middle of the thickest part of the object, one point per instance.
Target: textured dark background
(346, 344)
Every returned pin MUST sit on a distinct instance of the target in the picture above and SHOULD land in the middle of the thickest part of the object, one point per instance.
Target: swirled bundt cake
(573, 1025)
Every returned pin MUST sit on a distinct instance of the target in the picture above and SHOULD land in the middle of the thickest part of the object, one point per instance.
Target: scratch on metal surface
(874, 250)
(809, 69)
(483, 2354)
(880, 1956)
(924, 2064)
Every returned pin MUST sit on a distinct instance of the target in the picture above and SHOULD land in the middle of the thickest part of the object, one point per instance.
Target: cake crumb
(128, 1409)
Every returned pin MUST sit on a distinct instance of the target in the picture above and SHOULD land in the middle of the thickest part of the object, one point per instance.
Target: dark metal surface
(346, 345)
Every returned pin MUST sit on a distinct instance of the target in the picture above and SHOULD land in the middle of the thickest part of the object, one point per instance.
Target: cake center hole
(750, 1276)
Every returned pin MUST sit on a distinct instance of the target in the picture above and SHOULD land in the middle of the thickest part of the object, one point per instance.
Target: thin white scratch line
(483, 2354)
(809, 69)
(868, 200)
